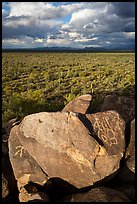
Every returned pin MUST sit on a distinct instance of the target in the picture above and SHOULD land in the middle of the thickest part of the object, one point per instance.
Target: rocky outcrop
(73, 152)
(81, 104)
(64, 146)
(125, 106)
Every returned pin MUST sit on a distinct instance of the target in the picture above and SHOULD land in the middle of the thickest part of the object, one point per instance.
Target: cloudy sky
(69, 24)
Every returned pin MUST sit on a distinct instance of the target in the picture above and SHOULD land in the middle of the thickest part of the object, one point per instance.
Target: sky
(68, 24)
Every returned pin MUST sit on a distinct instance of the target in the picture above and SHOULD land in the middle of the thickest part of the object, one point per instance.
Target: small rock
(81, 104)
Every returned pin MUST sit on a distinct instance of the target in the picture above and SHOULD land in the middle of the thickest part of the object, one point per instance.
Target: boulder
(98, 194)
(80, 149)
(81, 104)
(123, 105)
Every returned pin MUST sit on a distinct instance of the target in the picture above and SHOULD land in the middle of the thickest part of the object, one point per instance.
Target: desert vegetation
(34, 82)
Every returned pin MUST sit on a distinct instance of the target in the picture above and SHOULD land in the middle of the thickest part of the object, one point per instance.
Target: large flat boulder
(64, 146)
(81, 104)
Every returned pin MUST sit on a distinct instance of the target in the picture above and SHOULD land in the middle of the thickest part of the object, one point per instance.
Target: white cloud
(74, 34)
(24, 41)
(86, 39)
(39, 40)
(31, 9)
(43, 23)
(42, 10)
(130, 35)
(81, 17)
(58, 42)
(16, 22)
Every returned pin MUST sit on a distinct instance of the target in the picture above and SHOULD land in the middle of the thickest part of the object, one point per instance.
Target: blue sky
(70, 24)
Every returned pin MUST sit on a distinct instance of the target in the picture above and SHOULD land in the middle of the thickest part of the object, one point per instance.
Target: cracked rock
(80, 149)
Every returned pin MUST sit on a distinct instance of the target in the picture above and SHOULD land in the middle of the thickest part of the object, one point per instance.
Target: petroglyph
(106, 131)
(20, 150)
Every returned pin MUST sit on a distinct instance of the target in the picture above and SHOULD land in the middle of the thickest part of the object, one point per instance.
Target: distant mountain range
(70, 49)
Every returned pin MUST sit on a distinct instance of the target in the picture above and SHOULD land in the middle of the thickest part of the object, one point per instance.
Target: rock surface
(89, 157)
(100, 194)
(24, 166)
(60, 145)
(124, 105)
(81, 104)
(25, 196)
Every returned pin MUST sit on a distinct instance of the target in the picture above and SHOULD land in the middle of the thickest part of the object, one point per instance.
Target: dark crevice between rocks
(86, 122)
(89, 109)
(13, 190)
(11, 198)
(127, 133)
(44, 172)
(55, 188)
